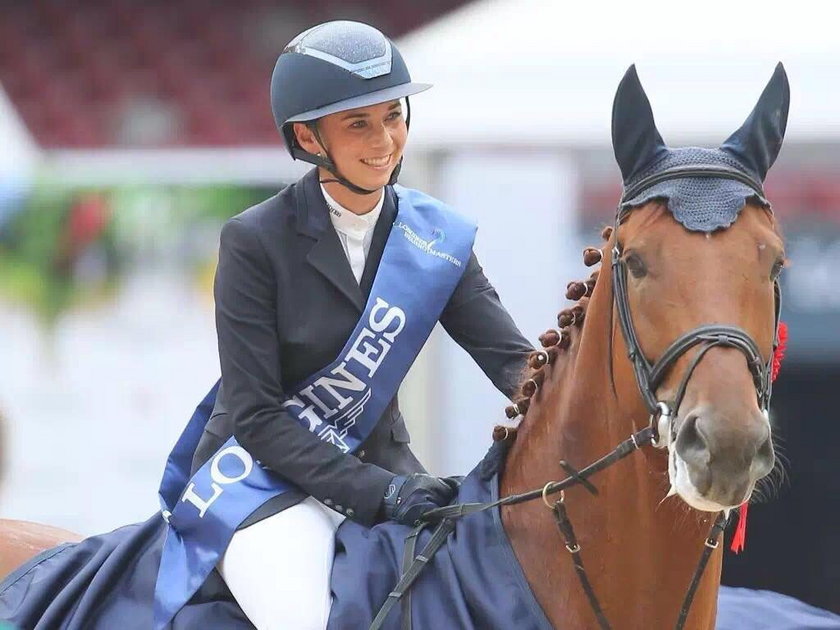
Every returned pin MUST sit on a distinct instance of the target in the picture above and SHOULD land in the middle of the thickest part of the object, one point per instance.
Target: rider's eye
(635, 265)
(777, 268)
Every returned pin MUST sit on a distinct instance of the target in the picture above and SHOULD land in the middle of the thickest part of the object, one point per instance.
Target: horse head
(670, 343)
(696, 255)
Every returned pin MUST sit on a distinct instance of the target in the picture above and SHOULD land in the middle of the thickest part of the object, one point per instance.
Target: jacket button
(328, 501)
(362, 453)
(350, 511)
(339, 508)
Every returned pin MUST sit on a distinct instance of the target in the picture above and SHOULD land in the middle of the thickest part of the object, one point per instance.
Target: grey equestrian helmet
(334, 67)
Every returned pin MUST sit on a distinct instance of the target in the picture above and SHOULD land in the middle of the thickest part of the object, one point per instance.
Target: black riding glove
(407, 498)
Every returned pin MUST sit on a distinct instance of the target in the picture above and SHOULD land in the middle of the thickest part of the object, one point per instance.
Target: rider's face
(366, 143)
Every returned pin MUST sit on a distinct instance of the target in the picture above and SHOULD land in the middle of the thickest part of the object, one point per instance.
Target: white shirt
(355, 231)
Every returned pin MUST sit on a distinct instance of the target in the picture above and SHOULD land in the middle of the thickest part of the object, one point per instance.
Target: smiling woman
(295, 274)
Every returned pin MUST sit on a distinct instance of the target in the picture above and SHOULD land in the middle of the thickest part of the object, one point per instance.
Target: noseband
(649, 376)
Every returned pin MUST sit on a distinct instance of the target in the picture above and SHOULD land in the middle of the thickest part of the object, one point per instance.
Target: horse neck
(639, 552)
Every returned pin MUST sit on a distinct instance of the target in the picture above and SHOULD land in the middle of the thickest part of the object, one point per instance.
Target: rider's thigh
(278, 569)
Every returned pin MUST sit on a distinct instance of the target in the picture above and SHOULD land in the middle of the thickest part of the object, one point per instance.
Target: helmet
(331, 68)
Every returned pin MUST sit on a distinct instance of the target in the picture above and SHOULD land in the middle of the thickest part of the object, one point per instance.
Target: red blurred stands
(95, 73)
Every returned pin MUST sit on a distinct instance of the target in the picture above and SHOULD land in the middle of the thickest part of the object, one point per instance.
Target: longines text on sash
(360, 363)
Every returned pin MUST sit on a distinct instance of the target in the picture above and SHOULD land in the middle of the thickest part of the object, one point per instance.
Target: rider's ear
(636, 141)
(757, 143)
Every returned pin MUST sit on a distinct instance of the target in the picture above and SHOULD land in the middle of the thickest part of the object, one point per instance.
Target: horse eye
(777, 269)
(635, 265)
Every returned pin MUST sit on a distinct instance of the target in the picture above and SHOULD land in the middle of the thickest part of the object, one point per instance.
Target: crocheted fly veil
(716, 182)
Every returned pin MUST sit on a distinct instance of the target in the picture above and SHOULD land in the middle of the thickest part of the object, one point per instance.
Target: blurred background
(130, 131)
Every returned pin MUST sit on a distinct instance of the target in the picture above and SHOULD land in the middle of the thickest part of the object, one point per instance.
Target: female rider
(294, 274)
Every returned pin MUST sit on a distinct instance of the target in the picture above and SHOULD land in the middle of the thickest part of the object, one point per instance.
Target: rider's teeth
(377, 161)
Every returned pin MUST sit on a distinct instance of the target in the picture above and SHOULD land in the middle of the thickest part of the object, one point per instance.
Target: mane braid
(554, 341)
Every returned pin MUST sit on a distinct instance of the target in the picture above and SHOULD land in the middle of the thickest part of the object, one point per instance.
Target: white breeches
(279, 568)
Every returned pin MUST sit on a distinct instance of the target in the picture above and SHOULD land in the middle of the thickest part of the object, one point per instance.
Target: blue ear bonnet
(704, 189)
(700, 204)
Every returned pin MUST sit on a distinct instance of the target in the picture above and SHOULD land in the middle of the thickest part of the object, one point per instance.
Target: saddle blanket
(473, 583)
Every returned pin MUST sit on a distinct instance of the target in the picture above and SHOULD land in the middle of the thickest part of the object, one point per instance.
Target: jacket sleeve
(246, 297)
(475, 318)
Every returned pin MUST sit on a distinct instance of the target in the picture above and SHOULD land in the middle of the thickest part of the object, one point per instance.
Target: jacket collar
(327, 254)
(312, 213)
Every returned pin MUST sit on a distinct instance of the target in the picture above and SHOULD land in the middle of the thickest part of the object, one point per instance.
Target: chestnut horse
(679, 274)
(641, 551)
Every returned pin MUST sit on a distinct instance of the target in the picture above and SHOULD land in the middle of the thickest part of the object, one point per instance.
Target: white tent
(522, 85)
(545, 71)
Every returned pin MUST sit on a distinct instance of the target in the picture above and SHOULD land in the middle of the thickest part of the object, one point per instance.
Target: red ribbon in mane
(739, 538)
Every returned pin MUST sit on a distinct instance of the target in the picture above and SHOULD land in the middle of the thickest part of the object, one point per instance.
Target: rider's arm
(249, 350)
(475, 318)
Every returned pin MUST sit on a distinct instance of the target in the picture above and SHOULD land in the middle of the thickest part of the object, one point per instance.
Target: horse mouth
(713, 500)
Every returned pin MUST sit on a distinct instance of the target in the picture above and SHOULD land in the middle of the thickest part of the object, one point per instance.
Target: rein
(447, 515)
(659, 432)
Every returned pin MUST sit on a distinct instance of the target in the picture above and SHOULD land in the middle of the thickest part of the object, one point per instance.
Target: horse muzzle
(716, 460)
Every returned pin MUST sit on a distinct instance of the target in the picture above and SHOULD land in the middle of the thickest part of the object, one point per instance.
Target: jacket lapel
(327, 255)
(380, 236)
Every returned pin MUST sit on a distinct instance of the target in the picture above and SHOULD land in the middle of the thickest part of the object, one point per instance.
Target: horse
(643, 546)
(670, 342)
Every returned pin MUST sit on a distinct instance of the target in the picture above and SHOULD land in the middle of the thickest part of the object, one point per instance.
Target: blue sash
(424, 258)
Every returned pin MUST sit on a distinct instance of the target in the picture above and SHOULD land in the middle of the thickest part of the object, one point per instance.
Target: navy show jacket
(286, 303)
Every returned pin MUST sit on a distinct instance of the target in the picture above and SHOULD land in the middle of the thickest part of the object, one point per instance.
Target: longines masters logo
(428, 246)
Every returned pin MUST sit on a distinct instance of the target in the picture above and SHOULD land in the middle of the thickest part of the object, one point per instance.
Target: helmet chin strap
(326, 161)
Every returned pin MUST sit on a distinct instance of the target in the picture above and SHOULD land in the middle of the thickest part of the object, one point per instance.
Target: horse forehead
(652, 227)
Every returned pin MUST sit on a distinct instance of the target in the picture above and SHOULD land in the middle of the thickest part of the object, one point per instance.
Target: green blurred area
(71, 246)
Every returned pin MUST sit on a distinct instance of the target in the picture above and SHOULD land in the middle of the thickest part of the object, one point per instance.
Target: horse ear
(636, 141)
(757, 143)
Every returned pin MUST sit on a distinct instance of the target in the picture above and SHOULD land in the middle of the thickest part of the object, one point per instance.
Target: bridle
(649, 376)
(658, 433)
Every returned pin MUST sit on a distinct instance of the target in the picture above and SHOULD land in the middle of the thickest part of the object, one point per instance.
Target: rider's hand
(407, 498)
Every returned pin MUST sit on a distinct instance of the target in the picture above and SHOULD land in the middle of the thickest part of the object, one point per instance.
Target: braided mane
(554, 340)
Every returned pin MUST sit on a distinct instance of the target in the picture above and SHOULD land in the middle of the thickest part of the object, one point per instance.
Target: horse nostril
(691, 442)
(693, 447)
